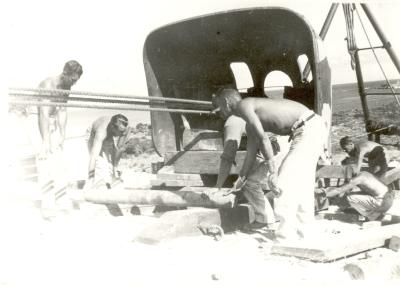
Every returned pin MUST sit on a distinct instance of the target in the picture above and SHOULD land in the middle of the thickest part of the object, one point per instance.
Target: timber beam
(339, 245)
(186, 197)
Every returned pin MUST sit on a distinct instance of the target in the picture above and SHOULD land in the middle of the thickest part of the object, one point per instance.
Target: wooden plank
(331, 171)
(201, 162)
(340, 216)
(207, 162)
(339, 245)
(180, 223)
(184, 198)
(200, 139)
(168, 173)
(176, 183)
(28, 160)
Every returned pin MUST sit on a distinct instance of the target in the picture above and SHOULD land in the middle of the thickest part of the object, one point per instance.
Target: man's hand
(88, 184)
(237, 186)
(118, 174)
(273, 184)
(207, 195)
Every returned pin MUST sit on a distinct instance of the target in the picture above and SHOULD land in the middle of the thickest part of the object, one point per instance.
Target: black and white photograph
(205, 142)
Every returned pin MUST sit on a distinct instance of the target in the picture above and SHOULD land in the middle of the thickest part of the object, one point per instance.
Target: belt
(298, 124)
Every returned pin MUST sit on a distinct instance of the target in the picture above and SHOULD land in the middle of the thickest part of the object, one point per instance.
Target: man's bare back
(108, 137)
(98, 130)
(276, 115)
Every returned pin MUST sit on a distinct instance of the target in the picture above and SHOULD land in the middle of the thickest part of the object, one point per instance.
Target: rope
(365, 134)
(108, 95)
(115, 107)
(377, 60)
(351, 41)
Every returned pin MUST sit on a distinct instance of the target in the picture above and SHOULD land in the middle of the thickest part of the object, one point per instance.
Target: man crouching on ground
(366, 192)
(107, 141)
(294, 183)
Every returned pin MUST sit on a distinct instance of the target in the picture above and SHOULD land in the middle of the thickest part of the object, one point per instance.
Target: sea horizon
(344, 97)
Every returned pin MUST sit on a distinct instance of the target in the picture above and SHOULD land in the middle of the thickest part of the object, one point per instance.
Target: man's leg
(295, 207)
(255, 196)
(365, 205)
(311, 147)
(62, 125)
(285, 204)
(44, 128)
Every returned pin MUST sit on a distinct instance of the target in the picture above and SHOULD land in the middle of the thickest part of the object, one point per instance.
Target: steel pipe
(103, 106)
(88, 93)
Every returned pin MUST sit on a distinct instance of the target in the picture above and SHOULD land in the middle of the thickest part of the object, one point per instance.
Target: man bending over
(294, 183)
(359, 151)
(108, 139)
(367, 192)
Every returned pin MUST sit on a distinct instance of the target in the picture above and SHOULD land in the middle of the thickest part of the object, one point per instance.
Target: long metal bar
(88, 93)
(370, 48)
(322, 33)
(381, 93)
(88, 99)
(381, 36)
(103, 106)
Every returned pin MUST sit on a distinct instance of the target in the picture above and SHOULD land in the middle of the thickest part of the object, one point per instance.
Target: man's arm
(363, 179)
(232, 137)
(256, 129)
(124, 145)
(93, 153)
(227, 160)
(359, 158)
(44, 120)
(251, 153)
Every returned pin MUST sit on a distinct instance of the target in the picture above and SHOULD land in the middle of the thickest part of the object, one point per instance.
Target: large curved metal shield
(190, 59)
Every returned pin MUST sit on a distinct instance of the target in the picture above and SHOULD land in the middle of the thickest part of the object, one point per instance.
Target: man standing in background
(71, 73)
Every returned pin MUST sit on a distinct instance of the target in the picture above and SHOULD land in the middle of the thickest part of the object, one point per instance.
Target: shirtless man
(70, 75)
(107, 141)
(294, 183)
(234, 130)
(357, 153)
(366, 194)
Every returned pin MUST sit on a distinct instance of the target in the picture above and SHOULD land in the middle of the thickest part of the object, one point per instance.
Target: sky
(107, 37)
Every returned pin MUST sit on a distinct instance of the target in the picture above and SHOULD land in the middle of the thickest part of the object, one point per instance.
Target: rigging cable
(377, 60)
(351, 40)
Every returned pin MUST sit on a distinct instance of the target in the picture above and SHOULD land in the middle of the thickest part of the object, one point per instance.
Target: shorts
(372, 207)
